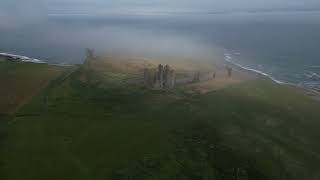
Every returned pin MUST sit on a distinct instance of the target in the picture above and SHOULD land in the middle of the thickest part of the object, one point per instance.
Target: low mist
(60, 30)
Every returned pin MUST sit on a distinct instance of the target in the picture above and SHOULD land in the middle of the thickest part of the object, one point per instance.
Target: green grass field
(21, 81)
(95, 124)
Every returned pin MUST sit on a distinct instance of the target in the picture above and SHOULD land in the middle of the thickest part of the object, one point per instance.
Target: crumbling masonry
(163, 78)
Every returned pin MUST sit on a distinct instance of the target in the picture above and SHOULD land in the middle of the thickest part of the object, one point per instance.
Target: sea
(282, 45)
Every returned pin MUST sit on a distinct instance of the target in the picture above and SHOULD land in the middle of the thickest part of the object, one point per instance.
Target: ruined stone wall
(163, 78)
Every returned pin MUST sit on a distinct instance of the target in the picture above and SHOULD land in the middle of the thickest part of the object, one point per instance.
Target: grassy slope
(275, 125)
(21, 81)
(92, 125)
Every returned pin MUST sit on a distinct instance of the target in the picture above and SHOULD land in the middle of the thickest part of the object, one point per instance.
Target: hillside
(21, 81)
(100, 122)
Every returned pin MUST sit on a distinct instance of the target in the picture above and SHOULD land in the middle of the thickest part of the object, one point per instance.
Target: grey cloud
(191, 4)
(19, 12)
(15, 13)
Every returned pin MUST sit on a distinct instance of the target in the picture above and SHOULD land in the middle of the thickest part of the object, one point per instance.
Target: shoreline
(20, 58)
(307, 91)
(25, 59)
(228, 59)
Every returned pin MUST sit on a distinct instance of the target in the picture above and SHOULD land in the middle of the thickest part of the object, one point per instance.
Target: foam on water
(306, 78)
(31, 60)
(228, 58)
(21, 58)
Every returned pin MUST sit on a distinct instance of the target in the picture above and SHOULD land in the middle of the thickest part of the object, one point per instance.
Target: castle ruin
(90, 56)
(163, 78)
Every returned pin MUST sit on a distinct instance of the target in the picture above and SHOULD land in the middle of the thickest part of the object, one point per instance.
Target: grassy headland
(99, 122)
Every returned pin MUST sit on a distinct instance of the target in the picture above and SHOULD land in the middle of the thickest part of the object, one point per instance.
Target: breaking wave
(229, 59)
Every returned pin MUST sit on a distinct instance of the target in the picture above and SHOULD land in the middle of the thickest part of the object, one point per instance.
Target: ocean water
(281, 45)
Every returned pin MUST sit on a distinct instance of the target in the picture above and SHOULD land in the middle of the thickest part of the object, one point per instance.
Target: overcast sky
(100, 5)
(197, 5)
(13, 12)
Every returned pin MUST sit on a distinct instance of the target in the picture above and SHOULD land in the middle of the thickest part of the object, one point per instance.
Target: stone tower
(90, 55)
(196, 77)
(166, 76)
(158, 80)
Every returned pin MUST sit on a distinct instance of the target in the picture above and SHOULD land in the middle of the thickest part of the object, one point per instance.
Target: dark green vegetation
(95, 123)
(21, 81)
